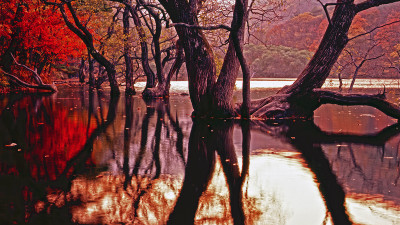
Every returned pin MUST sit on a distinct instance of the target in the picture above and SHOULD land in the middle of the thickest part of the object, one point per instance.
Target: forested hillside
(375, 54)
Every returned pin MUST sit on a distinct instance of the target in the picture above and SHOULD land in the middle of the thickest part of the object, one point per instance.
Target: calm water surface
(80, 157)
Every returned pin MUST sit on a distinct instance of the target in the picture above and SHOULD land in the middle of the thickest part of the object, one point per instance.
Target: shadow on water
(94, 160)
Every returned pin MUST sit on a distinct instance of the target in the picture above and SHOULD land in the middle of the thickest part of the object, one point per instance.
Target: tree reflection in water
(207, 138)
(146, 167)
(306, 137)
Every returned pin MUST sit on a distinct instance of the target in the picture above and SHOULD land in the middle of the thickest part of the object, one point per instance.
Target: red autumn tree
(36, 35)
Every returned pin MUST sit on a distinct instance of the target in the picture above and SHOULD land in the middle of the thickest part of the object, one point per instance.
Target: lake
(80, 157)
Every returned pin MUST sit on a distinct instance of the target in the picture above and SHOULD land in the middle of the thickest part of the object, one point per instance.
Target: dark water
(84, 158)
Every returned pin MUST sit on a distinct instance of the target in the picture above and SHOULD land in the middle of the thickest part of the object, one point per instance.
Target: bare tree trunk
(300, 99)
(130, 89)
(208, 95)
(223, 90)
(81, 72)
(331, 46)
(162, 88)
(143, 44)
(91, 71)
(198, 54)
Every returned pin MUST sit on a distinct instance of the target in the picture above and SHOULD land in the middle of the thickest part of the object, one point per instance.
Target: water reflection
(310, 141)
(208, 139)
(80, 157)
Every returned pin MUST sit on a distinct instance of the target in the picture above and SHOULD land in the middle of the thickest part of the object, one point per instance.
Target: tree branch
(375, 28)
(47, 87)
(324, 6)
(372, 3)
(35, 75)
(78, 23)
(377, 101)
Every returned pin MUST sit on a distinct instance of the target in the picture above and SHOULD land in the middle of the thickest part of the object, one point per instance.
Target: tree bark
(331, 46)
(143, 45)
(162, 89)
(223, 90)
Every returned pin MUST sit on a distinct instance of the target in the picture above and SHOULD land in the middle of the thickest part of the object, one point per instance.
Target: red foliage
(39, 32)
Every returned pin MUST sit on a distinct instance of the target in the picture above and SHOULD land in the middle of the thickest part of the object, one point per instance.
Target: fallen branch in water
(39, 86)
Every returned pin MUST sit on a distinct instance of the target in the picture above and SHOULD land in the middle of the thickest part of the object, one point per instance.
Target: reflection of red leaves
(54, 136)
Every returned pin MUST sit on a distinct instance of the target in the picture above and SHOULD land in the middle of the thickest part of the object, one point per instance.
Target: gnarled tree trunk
(300, 99)
(209, 96)
(199, 58)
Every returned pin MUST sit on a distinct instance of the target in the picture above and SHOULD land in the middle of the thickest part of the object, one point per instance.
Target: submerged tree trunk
(163, 86)
(209, 96)
(223, 90)
(199, 58)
